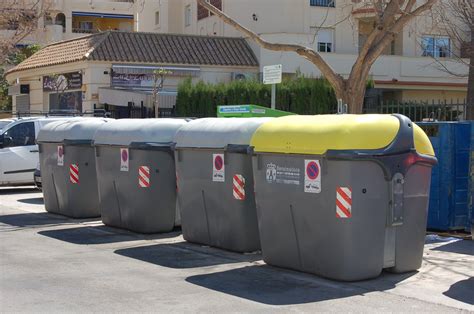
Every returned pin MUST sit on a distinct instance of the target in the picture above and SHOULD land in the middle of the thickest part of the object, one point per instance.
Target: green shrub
(300, 95)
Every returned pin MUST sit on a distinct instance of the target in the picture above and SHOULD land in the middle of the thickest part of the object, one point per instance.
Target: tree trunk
(353, 96)
(470, 80)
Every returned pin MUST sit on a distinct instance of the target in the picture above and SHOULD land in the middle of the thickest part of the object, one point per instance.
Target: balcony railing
(322, 3)
(85, 31)
(94, 30)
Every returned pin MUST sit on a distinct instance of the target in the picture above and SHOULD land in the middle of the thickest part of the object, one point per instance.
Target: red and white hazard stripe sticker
(344, 202)
(74, 174)
(239, 187)
(144, 176)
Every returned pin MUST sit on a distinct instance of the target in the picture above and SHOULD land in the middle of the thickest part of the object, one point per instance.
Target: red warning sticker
(238, 187)
(74, 174)
(124, 159)
(344, 202)
(312, 176)
(218, 168)
(144, 177)
(60, 155)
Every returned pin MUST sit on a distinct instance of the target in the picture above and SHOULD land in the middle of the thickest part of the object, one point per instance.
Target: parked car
(18, 150)
(4, 123)
(37, 178)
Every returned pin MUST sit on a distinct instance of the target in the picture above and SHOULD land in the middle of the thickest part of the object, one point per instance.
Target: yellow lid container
(315, 135)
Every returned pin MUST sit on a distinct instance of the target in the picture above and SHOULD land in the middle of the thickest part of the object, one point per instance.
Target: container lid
(217, 132)
(318, 134)
(77, 129)
(124, 132)
(422, 141)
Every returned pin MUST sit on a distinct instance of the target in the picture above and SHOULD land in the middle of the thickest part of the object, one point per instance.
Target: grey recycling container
(342, 196)
(67, 163)
(136, 174)
(215, 183)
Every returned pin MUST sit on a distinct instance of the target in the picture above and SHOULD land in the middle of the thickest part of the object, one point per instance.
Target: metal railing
(322, 3)
(56, 113)
(122, 112)
(424, 110)
(85, 30)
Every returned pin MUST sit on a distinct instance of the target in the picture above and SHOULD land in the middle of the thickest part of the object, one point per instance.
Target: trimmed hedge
(300, 95)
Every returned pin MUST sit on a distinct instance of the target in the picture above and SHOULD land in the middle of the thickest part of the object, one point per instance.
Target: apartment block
(412, 68)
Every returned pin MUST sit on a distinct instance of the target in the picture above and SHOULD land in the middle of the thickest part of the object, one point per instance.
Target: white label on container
(218, 168)
(60, 155)
(312, 176)
(124, 158)
(282, 174)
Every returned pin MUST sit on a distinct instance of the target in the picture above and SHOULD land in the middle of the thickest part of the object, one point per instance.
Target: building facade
(118, 69)
(407, 71)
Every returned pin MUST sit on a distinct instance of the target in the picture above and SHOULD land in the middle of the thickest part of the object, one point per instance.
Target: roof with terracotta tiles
(135, 47)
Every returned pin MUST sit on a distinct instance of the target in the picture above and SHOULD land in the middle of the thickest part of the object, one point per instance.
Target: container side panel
(303, 231)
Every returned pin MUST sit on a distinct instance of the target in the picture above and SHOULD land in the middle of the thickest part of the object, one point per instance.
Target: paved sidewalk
(49, 263)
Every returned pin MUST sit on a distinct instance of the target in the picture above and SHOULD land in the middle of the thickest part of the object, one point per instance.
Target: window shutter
(325, 36)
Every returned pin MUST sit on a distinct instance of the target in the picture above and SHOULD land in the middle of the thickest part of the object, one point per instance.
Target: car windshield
(4, 124)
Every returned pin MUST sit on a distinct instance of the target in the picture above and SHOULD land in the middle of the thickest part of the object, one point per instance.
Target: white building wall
(97, 74)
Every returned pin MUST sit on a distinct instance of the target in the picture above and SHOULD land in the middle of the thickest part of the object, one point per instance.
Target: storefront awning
(103, 15)
(148, 70)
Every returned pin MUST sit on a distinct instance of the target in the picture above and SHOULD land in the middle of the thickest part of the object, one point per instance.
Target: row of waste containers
(341, 196)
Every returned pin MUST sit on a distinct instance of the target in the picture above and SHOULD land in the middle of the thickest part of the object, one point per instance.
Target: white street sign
(272, 74)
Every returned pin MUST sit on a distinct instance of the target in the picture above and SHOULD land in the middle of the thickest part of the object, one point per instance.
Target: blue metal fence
(470, 222)
(451, 186)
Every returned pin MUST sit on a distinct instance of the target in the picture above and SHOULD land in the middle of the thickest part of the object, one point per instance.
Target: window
(157, 18)
(4, 124)
(187, 15)
(61, 20)
(322, 3)
(66, 101)
(202, 13)
(22, 134)
(325, 40)
(435, 46)
(86, 26)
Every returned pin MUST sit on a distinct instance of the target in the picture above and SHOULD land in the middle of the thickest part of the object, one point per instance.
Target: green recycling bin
(68, 171)
(136, 174)
(215, 183)
(342, 196)
(249, 111)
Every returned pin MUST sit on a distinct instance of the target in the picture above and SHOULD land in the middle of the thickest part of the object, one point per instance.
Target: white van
(18, 150)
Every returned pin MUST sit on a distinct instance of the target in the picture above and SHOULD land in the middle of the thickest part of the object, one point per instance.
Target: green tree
(14, 58)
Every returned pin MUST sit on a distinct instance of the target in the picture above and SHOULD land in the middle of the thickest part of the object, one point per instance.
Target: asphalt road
(49, 263)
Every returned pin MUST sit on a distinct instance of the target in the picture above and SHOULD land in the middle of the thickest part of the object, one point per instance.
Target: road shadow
(184, 255)
(32, 201)
(459, 247)
(274, 286)
(90, 235)
(33, 219)
(18, 190)
(462, 291)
